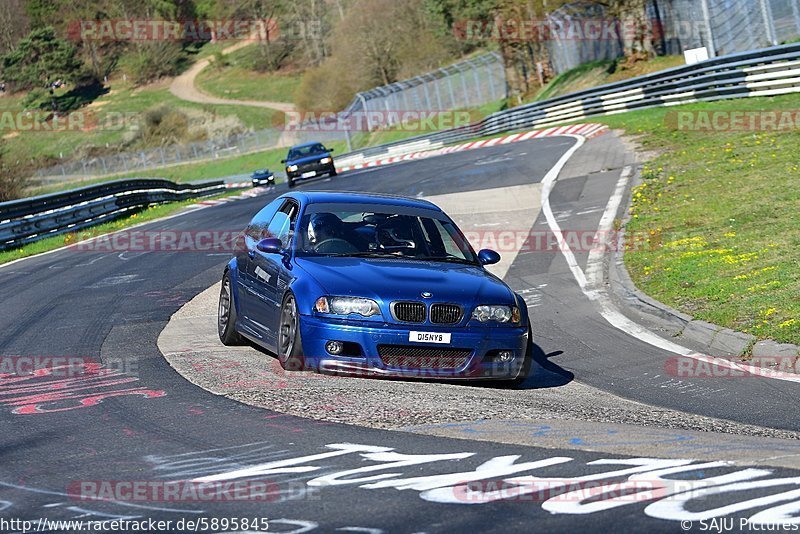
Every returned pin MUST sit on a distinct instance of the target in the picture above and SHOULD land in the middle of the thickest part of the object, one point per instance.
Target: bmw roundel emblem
(426, 294)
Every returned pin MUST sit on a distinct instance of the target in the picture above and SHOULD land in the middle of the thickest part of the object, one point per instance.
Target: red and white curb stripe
(238, 185)
(587, 130)
(250, 193)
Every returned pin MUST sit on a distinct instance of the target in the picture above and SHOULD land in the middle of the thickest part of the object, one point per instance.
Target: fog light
(504, 356)
(334, 347)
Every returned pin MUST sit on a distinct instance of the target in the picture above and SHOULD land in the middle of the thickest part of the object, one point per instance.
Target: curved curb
(714, 339)
(586, 130)
(574, 414)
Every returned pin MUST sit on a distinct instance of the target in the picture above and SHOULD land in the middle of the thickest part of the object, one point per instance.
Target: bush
(164, 126)
(151, 61)
(12, 181)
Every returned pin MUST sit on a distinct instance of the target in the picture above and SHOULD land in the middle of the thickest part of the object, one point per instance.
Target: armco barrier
(765, 72)
(30, 219)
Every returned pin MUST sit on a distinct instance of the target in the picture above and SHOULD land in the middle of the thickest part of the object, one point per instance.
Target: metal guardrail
(30, 219)
(769, 71)
(765, 72)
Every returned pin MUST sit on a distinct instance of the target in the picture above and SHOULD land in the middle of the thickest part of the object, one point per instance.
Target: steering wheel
(335, 245)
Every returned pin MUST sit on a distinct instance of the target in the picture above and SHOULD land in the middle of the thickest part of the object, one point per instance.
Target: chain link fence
(467, 84)
(723, 26)
(726, 26)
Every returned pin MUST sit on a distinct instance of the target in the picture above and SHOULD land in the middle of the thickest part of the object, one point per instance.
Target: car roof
(355, 197)
(306, 144)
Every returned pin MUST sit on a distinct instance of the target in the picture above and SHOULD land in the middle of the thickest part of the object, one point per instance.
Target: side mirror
(488, 257)
(330, 150)
(283, 161)
(270, 245)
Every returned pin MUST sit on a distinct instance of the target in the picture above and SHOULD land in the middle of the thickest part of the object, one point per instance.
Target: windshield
(303, 151)
(377, 231)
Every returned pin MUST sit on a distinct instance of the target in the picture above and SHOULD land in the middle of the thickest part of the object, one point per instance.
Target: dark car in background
(263, 177)
(308, 161)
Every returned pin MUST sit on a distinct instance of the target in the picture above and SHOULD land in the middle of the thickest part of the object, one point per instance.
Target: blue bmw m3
(371, 285)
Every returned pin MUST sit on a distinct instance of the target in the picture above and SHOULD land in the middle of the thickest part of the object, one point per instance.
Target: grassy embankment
(721, 210)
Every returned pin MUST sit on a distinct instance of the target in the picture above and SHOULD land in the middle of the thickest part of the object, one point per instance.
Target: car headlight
(325, 160)
(347, 306)
(291, 168)
(500, 314)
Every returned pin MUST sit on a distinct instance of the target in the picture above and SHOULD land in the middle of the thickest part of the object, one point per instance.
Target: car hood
(307, 159)
(386, 280)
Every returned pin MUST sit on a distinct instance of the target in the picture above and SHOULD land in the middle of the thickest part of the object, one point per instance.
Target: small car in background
(308, 161)
(263, 177)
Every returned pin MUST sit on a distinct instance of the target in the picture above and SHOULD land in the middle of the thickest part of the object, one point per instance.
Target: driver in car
(326, 235)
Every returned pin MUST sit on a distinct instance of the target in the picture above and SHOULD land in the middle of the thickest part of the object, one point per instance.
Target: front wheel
(290, 346)
(226, 315)
(333, 172)
(290, 182)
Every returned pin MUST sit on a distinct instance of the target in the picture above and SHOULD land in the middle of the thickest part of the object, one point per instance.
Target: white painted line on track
(592, 286)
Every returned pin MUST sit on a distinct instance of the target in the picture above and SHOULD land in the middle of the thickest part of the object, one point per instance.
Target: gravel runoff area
(190, 345)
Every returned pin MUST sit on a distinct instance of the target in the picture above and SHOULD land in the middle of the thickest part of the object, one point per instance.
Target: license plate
(309, 174)
(429, 337)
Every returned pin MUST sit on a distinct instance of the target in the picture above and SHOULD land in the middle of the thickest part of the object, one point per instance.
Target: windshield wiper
(363, 255)
(450, 259)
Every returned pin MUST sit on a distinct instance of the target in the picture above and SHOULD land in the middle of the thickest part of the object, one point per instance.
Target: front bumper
(318, 169)
(478, 344)
(258, 182)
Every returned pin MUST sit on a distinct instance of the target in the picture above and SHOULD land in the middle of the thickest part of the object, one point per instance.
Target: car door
(245, 253)
(267, 270)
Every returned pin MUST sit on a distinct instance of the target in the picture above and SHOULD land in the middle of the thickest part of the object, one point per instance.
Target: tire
(226, 315)
(290, 182)
(525, 370)
(290, 345)
(333, 172)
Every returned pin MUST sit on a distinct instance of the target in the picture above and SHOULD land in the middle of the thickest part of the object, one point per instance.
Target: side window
(257, 229)
(282, 224)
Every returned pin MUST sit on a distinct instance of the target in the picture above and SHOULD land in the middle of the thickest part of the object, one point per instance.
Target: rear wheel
(226, 315)
(290, 346)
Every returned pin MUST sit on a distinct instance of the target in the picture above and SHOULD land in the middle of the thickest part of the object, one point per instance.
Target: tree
(39, 59)
(637, 28)
(13, 24)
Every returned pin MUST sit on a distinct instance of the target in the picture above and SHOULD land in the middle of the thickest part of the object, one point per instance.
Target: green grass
(720, 211)
(239, 83)
(244, 164)
(597, 73)
(145, 215)
(123, 98)
(412, 128)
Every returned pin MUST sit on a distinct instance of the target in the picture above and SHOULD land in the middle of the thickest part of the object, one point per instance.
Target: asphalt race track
(130, 417)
